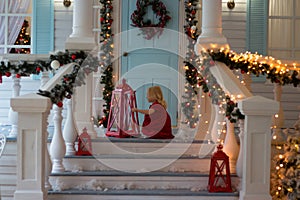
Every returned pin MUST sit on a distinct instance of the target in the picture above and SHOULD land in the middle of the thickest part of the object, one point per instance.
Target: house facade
(249, 26)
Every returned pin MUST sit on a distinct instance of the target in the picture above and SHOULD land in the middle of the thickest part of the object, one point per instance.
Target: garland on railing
(54, 62)
(106, 56)
(83, 65)
(192, 75)
(25, 68)
(246, 63)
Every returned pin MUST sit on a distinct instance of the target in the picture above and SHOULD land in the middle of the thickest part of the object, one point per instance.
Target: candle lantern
(84, 144)
(219, 175)
(122, 122)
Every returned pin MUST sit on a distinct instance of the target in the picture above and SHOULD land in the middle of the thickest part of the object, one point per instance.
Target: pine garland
(192, 75)
(106, 56)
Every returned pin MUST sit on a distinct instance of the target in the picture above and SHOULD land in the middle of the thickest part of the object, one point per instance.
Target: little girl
(157, 121)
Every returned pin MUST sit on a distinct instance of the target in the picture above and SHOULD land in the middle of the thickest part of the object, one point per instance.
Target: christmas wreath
(150, 29)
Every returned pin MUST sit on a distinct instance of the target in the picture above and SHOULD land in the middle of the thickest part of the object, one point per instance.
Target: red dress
(158, 124)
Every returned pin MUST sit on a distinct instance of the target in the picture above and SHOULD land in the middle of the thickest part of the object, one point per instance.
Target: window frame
(6, 16)
(293, 49)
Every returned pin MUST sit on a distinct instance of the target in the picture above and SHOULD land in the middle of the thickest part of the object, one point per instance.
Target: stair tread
(136, 156)
(154, 192)
(120, 173)
(146, 140)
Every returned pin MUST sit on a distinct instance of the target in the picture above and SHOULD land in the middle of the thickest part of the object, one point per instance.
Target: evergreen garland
(106, 56)
(192, 75)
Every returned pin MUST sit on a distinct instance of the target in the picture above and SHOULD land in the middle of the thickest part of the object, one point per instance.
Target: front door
(147, 62)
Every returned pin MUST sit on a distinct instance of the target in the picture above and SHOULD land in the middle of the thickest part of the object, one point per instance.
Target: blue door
(151, 62)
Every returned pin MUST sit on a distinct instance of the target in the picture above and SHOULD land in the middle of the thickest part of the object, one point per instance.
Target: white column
(211, 36)
(258, 113)
(33, 111)
(13, 116)
(82, 37)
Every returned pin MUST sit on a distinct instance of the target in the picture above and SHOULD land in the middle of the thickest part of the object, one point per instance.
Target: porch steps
(133, 168)
(120, 185)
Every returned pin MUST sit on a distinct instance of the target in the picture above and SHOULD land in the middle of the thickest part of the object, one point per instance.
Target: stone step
(140, 194)
(119, 181)
(137, 163)
(129, 146)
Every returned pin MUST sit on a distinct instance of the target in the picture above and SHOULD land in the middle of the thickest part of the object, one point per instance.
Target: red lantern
(218, 181)
(84, 144)
(122, 122)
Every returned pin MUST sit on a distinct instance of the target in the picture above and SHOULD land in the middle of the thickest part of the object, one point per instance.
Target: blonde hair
(156, 93)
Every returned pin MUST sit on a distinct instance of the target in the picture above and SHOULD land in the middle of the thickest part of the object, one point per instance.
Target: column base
(80, 43)
(244, 196)
(212, 43)
(30, 195)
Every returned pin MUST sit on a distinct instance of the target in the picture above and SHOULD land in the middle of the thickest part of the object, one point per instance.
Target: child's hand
(134, 110)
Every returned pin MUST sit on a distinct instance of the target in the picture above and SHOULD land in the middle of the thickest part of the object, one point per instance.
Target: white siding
(234, 24)
(63, 20)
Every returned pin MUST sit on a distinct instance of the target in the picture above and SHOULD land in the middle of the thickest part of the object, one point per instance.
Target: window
(284, 28)
(15, 30)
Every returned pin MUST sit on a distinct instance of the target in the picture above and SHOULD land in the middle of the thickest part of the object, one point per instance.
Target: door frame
(117, 27)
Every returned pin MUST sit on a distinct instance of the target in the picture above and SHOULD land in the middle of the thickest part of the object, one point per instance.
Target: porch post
(33, 111)
(211, 36)
(82, 37)
(258, 113)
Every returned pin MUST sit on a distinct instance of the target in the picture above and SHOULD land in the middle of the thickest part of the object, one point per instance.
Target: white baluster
(48, 163)
(239, 163)
(217, 124)
(12, 115)
(69, 132)
(44, 78)
(57, 147)
(231, 147)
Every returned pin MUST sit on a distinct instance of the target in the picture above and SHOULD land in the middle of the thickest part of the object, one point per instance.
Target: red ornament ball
(59, 104)
(38, 69)
(102, 19)
(73, 57)
(18, 75)
(8, 74)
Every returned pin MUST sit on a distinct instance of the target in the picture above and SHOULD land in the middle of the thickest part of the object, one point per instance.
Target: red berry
(18, 75)
(8, 74)
(59, 104)
(38, 69)
(73, 56)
